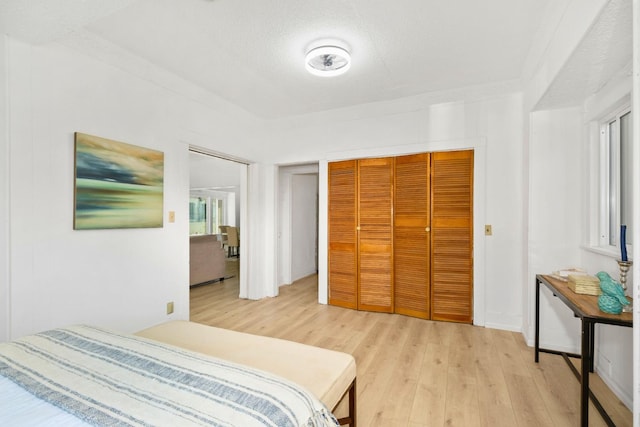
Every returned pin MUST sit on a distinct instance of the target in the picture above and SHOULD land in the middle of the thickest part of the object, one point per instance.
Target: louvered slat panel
(451, 234)
(375, 281)
(452, 185)
(411, 273)
(375, 208)
(411, 240)
(342, 218)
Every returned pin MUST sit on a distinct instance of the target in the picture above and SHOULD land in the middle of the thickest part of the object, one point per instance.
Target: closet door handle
(358, 228)
(428, 229)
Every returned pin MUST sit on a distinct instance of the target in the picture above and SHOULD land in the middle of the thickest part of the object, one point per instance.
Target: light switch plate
(487, 230)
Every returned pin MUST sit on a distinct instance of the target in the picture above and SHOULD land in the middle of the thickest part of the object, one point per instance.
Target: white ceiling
(251, 52)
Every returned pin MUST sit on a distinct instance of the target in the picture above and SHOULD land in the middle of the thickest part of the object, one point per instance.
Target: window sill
(605, 251)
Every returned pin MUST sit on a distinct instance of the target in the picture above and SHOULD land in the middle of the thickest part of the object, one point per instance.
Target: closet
(401, 235)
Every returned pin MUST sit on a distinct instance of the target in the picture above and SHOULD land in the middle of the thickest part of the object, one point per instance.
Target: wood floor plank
(556, 384)
(414, 372)
(493, 392)
(528, 406)
(462, 406)
(429, 401)
(404, 381)
(379, 367)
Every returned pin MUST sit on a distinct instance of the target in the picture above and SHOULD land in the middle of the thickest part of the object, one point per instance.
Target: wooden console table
(586, 308)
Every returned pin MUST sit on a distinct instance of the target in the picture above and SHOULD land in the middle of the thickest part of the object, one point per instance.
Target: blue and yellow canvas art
(117, 185)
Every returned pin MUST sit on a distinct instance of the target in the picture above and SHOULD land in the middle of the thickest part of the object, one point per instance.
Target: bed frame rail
(351, 419)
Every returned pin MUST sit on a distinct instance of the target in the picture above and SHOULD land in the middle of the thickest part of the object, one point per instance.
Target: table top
(584, 305)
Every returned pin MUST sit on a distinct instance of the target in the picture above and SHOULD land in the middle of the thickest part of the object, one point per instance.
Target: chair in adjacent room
(233, 241)
(224, 236)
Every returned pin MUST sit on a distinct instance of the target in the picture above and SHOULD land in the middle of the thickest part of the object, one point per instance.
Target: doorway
(297, 222)
(215, 185)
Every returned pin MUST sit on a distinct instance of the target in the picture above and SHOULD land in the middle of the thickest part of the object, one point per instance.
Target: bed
(177, 373)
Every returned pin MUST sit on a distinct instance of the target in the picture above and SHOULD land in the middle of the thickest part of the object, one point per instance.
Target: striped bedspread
(107, 378)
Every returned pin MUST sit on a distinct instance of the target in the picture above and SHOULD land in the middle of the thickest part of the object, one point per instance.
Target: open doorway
(214, 209)
(297, 222)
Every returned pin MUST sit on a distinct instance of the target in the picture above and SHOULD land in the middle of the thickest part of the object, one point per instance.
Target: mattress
(327, 374)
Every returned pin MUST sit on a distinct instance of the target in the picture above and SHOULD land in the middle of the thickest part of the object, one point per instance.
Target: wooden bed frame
(329, 375)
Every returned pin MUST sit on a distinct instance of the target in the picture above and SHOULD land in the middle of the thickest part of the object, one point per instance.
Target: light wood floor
(414, 372)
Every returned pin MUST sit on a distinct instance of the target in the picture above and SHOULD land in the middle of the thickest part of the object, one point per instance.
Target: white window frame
(610, 183)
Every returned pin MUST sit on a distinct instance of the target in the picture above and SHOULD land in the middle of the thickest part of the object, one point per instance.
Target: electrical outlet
(170, 307)
(487, 230)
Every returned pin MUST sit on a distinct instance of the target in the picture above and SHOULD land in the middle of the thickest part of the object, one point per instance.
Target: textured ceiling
(40, 21)
(251, 52)
(604, 53)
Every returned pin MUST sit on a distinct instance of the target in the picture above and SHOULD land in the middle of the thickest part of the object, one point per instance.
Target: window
(616, 196)
(197, 215)
(205, 215)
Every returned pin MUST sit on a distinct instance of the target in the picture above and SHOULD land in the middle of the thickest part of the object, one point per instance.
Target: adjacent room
(423, 213)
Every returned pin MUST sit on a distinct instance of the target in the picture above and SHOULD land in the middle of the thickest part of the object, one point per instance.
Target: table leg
(587, 329)
(537, 322)
(592, 340)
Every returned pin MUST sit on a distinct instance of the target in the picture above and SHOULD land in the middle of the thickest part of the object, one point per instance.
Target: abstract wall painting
(117, 185)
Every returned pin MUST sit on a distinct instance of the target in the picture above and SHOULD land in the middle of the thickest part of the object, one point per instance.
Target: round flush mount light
(327, 61)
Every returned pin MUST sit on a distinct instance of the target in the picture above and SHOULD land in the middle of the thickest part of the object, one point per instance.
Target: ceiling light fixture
(327, 61)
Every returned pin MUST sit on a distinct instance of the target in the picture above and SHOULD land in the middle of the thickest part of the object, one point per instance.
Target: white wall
(555, 175)
(115, 278)
(304, 225)
(4, 197)
(504, 211)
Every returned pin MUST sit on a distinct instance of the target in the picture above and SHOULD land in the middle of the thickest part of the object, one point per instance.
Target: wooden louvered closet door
(342, 218)
(452, 236)
(375, 208)
(412, 249)
(413, 253)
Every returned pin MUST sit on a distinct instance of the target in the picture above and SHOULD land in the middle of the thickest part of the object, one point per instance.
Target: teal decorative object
(609, 304)
(613, 298)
